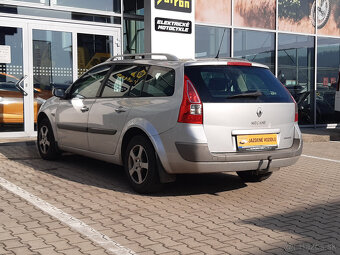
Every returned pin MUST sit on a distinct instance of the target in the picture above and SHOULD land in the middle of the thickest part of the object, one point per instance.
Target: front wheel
(253, 175)
(47, 145)
(141, 166)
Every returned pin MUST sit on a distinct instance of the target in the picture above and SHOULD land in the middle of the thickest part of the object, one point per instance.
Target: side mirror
(57, 92)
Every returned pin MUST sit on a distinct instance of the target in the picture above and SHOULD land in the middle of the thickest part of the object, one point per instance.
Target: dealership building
(52, 42)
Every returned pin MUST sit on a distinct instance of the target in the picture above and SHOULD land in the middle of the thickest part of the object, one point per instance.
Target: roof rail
(169, 57)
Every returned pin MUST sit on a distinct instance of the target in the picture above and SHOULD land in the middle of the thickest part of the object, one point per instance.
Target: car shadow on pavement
(318, 226)
(100, 174)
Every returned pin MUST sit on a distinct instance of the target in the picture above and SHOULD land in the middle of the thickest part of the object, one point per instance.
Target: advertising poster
(328, 17)
(255, 13)
(294, 16)
(213, 12)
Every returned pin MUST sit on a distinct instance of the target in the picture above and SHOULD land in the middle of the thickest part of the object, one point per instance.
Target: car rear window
(232, 84)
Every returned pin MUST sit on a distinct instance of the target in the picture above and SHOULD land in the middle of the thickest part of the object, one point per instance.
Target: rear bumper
(196, 158)
(200, 153)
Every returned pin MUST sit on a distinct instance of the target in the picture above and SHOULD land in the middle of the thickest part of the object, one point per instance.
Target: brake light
(191, 110)
(296, 112)
(239, 64)
(296, 119)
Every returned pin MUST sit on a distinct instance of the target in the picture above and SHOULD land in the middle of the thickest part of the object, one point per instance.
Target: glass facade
(304, 61)
(296, 60)
(102, 5)
(328, 69)
(255, 46)
(11, 71)
(92, 50)
(133, 26)
(211, 40)
(52, 63)
(45, 2)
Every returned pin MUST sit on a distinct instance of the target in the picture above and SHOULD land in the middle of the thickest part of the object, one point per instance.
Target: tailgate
(224, 123)
(244, 107)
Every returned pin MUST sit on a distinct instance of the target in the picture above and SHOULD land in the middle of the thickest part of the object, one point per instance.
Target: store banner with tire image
(321, 8)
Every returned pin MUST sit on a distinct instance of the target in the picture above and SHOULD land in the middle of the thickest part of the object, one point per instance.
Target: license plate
(257, 142)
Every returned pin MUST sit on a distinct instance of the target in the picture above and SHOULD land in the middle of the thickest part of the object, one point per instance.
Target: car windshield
(236, 84)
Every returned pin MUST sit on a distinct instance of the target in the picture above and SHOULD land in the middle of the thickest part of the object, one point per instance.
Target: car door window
(88, 85)
(160, 82)
(122, 79)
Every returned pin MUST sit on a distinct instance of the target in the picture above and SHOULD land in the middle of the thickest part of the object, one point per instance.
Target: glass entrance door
(52, 64)
(11, 80)
(49, 56)
(60, 56)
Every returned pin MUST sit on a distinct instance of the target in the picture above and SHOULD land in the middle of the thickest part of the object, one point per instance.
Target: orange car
(12, 100)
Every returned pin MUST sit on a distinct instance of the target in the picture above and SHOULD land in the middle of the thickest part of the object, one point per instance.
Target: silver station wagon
(159, 116)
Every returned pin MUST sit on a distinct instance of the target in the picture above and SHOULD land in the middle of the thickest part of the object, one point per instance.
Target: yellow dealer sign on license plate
(257, 142)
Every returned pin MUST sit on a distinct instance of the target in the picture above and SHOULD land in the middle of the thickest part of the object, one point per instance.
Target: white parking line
(79, 226)
(326, 159)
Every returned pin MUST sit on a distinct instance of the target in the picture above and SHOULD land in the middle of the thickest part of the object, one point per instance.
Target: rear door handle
(85, 109)
(120, 109)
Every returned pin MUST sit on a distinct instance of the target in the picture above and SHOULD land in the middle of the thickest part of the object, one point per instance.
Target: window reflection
(11, 70)
(255, 46)
(327, 78)
(296, 71)
(133, 36)
(93, 50)
(52, 63)
(208, 41)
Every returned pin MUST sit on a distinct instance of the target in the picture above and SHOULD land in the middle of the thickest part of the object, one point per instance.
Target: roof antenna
(219, 49)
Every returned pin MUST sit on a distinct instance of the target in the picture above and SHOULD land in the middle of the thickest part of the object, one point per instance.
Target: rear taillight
(296, 112)
(191, 110)
(296, 118)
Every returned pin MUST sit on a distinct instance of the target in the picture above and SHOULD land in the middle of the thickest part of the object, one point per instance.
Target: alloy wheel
(44, 143)
(138, 164)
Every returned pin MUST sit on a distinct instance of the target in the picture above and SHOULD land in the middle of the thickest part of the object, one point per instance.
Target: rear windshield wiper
(249, 94)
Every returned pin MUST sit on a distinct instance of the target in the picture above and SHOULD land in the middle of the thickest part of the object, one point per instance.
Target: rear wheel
(141, 166)
(47, 145)
(254, 175)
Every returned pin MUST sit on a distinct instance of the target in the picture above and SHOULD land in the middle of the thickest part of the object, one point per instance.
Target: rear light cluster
(338, 84)
(296, 118)
(191, 110)
(296, 112)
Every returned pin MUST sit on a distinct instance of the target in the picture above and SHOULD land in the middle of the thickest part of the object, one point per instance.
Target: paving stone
(199, 214)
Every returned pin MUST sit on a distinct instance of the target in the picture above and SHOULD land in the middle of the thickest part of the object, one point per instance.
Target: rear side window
(160, 82)
(237, 84)
(121, 79)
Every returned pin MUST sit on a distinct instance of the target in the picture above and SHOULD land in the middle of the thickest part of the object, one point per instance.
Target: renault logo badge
(259, 112)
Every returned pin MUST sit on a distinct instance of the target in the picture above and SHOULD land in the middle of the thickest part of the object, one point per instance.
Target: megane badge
(259, 112)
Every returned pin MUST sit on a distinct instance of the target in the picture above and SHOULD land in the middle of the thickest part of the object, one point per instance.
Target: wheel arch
(154, 139)
(44, 115)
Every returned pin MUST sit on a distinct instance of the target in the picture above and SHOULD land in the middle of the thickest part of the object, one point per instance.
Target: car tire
(253, 175)
(141, 166)
(47, 146)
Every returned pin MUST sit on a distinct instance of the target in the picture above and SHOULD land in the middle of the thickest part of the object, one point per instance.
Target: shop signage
(173, 25)
(174, 5)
